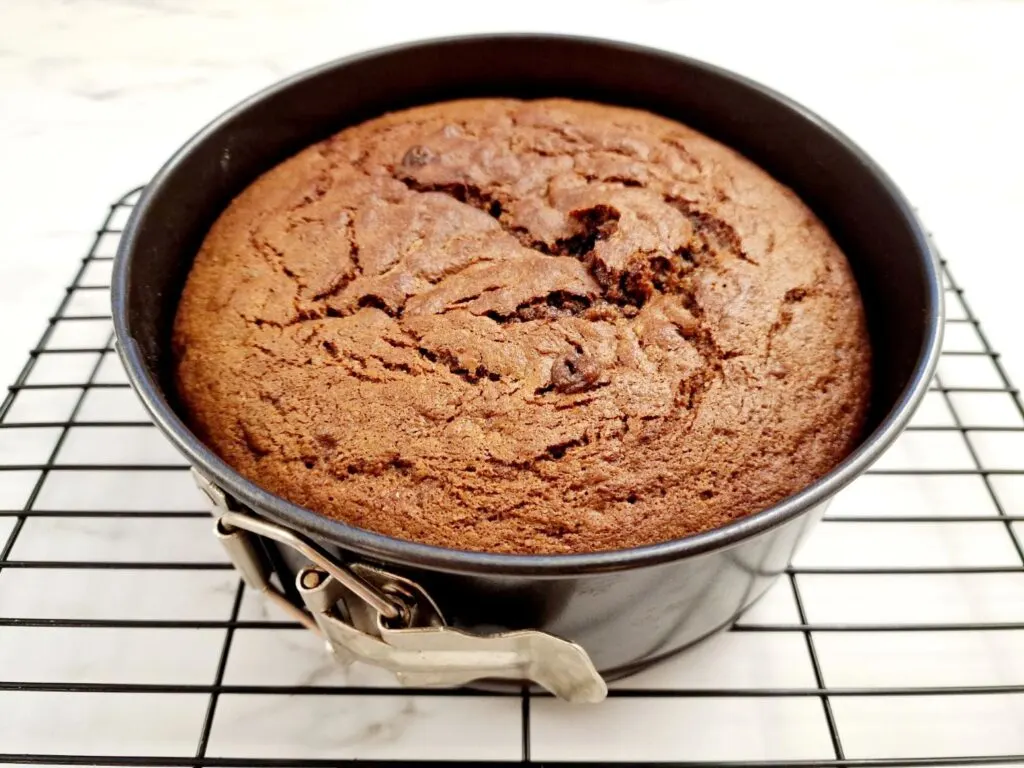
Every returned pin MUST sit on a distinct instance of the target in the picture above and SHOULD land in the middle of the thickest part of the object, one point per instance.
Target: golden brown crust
(547, 326)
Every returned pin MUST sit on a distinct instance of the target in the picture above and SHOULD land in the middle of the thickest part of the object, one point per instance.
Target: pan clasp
(368, 614)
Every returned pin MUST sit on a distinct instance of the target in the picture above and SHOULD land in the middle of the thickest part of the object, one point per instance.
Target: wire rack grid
(895, 639)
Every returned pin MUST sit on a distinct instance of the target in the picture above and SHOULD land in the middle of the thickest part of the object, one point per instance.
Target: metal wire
(804, 626)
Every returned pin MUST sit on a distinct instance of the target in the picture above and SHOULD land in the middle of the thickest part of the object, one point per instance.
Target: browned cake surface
(510, 326)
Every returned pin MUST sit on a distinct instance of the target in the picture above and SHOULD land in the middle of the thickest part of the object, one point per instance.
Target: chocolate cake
(524, 327)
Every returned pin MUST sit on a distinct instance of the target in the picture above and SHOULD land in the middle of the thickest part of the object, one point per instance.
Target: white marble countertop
(96, 94)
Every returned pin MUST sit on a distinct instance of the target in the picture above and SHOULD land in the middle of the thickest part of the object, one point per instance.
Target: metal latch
(367, 614)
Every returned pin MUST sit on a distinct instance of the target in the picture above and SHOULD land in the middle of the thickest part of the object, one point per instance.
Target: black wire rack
(895, 639)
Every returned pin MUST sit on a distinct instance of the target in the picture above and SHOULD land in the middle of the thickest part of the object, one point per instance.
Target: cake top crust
(525, 327)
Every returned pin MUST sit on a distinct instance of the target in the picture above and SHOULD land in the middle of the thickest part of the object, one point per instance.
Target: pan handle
(368, 614)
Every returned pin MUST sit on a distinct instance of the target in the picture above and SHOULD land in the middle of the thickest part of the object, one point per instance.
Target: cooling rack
(895, 639)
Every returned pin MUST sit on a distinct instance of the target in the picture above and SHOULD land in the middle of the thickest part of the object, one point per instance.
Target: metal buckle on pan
(370, 615)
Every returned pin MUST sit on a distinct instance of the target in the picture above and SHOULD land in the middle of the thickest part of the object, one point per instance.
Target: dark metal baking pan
(628, 607)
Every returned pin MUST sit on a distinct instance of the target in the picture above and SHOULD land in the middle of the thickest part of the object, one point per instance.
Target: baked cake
(524, 327)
